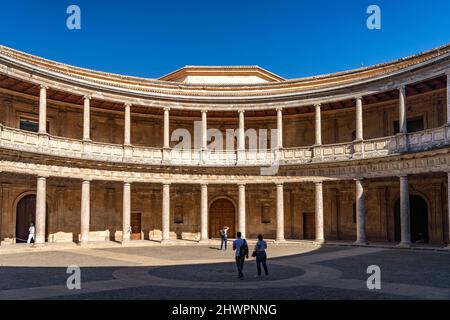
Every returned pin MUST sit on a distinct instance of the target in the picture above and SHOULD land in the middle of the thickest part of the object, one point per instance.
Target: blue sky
(291, 38)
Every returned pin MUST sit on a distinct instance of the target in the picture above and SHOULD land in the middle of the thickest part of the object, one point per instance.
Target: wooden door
(222, 213)
(136, 227)
(309, 226)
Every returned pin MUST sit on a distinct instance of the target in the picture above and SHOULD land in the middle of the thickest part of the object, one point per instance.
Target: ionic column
(359, 119)
(402, 111)
(280, 213)
(166, 213)
(127, 125)
(448, 98)
(241, 214)
(360, 213)
(43, 109)
(404, 212)
(318, 125)
(166, 128)
(85, 211)
(204, 130)
(204, 213)
(86, 119)
(126, 218)
(320, 238)
(241, 138)
(279, 128)
(41, 192)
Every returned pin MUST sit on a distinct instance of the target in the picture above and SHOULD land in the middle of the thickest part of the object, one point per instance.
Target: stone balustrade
(24, 141)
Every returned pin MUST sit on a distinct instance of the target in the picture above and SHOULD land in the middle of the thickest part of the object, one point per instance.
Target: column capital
(204, 110)
(401, 87)
(403, 176)
(318, 182)
(127, 182)
(241, 111)
(87, 97)
(279, 109)
(360, 179)
(166, 108)
(127, 104)
(318, 105)
(358, 98)
(166, 184)
(204, 184)
(86, 180)
(43, 86)
(43, 177)
(241, 185)
(278, 184)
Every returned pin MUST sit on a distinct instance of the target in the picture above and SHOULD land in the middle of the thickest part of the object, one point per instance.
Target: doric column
(126, 218)
(318, 125)
(127, 125)
(87, 119)
(166, 213)
(448, 98)
(320, 238)
(204, 213)
(85, 211)
(360, 213)
(204, 130)
(41, 212)
(280, 128)
(166, 128)
(43, 109)
(241, 214)
(359, 119)
(280, 213)
(402, 111)
(241, 136)
(404, 212)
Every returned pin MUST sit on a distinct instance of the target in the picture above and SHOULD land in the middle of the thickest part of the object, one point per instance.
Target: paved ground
(203, 272)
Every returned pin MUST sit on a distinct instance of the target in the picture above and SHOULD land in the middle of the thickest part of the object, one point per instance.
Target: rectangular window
(29, 125)
(413, 125)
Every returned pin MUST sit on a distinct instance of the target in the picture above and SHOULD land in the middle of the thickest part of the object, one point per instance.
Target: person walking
(223, 237)
(31, 232)
(261, 255)
(241, 248)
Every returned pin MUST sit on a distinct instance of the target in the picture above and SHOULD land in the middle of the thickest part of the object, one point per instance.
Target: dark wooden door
(222, 213)
(309, 226)
(136, 226)
(25, 215)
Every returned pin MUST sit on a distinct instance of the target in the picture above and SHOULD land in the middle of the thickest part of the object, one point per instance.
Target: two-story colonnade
(360, 155)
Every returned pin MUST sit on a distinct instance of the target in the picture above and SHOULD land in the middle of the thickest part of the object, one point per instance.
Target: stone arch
(224, 214)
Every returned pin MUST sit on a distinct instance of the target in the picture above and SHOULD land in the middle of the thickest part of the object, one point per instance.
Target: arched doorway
(221, 213)
(418, 216)
(25, 215)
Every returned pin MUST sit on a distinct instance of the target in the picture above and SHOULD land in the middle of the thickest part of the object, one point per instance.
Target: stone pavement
(191, 271)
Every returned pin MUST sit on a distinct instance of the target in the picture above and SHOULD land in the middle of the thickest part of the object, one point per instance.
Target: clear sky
(290, 38)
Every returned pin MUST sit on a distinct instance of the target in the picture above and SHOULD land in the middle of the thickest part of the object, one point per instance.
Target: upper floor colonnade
(358, 137)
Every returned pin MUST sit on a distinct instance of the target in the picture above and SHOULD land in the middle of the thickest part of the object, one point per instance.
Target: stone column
(241, 136)
(41, 210)
(318, 125)
(241, 215)
(166, 128)
(280, 128)
(360, 213)
(127, 125)
(204, 130)
(204, 213)
(404, 212)
(320, 238)
(86, 119)
(359, 119)
(448, 206)
(280, 213)
(166, 213)
(402, 111)
(126, 218)
(85, 211)
(43, 109)
(448, 98)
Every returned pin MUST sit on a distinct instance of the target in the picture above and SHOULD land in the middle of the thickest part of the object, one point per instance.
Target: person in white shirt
(31, 232)
(223, 238)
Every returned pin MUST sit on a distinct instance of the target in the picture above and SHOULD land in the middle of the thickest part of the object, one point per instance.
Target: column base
(83, 243)
(404, 245)
(166, 241)
(319, 241)
(39, 245)
(204, 241)
(361, 243)
(280, 241)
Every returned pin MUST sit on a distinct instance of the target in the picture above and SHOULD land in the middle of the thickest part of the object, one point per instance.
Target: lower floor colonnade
(360, 210)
